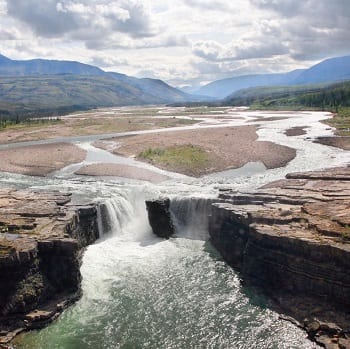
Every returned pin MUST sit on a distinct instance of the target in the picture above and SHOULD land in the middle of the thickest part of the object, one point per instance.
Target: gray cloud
(213, 51)
(6, 34)
(311, 29)
(288, 8)
(266, 49)
(54, 18)
(42, 17)
(209, 50)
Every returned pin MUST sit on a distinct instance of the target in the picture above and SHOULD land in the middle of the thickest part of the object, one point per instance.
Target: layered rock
(292, 239)
(42, 238)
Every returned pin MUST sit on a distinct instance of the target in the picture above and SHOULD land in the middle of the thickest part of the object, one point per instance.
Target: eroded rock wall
(41, 245)
(291, 238)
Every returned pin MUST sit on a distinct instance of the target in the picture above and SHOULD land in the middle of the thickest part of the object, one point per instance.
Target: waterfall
(190, 217)
(124, 215)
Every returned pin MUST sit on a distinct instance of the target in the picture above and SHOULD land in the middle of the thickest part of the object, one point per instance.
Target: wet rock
(160, 218)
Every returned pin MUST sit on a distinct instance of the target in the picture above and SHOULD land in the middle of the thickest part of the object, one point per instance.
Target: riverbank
(341, 123)
(40, 160)
(42, 238)
(119, 170)
(94, 122)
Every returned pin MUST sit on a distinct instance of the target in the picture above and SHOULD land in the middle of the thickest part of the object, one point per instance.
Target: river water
(140, 291)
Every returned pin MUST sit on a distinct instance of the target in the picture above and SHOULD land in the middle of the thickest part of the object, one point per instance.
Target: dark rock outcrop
(291, 239)
(159, 217)
(41, 244)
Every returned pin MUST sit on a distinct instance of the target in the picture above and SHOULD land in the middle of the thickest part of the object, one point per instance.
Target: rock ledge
(42, 237)
(291, 238)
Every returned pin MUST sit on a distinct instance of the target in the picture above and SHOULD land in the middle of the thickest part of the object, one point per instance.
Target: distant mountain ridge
(330, 70)
(9, 67)
(151, 90)
(46, 95)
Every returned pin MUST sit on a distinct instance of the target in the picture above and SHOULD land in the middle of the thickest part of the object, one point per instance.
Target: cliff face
(160, 218)
(291, 238)
(41, 244)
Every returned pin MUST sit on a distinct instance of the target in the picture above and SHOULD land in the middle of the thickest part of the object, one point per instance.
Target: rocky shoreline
(42, 238)
(290, 240)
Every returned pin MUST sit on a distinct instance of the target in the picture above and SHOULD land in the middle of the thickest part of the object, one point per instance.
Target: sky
(183, 42)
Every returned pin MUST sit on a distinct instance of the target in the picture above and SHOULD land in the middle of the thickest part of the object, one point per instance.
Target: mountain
(61, 93)
(150, 91)
(222, 88)
(330, 70)
(334, 69)
(10, 67)
(155, 88)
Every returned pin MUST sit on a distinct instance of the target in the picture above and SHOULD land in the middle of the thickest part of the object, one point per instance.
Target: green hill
(58, 94)
(323, 96)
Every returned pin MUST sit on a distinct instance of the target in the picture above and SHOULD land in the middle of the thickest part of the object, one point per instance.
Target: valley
(76, 186)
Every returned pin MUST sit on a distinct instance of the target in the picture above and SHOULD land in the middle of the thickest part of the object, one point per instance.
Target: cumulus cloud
(311, 29)
(175, 40)
(239, 50)
(209, 50)
(52, 18)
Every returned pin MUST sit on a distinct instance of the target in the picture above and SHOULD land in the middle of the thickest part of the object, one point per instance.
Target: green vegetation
(187, 159)
(331, 97)
(46, 95)
(345, 236)
(341, 121)
(20, 123)
(323, 97)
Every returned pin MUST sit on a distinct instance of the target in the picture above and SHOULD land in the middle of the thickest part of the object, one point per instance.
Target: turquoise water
(144, 292)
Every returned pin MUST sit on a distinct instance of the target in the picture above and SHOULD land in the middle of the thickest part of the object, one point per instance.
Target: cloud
(310, 29)
(239, 50)
(104, 61)
(52, 18)
(209, 50)
(213, 5)
(8, 34)
(288, 8)
(123, 42)
(178, 40)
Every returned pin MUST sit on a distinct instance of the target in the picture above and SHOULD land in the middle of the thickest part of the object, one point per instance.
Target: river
(140, 291)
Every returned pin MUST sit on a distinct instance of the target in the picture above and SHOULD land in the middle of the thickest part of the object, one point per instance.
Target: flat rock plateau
(291, 238)
(42, 237)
